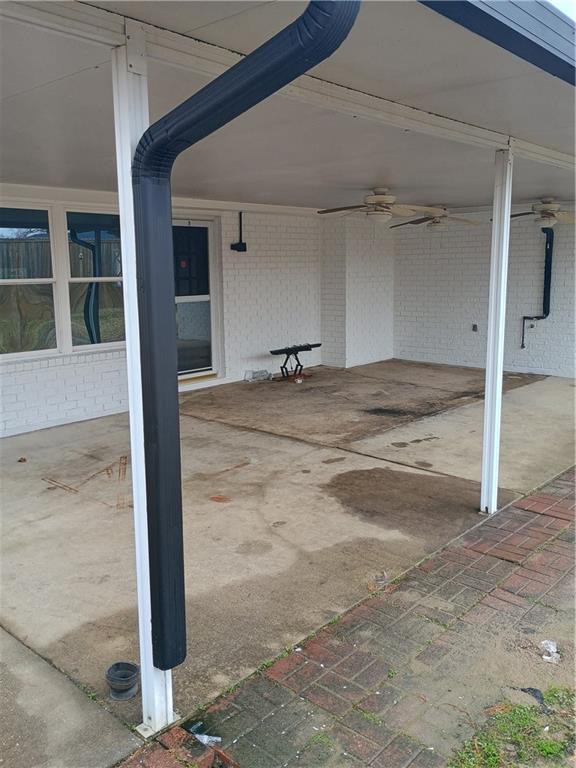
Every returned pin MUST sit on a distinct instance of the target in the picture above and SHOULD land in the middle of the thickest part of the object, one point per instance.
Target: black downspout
(548, 254)
(314, 36)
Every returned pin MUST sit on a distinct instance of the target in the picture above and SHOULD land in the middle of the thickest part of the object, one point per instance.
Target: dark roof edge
(536, 31)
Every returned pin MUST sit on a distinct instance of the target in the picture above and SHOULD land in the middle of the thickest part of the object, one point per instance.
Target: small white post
(496, 328)
(131, 118)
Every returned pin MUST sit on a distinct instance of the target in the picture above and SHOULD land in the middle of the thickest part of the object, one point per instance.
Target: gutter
(313, 37)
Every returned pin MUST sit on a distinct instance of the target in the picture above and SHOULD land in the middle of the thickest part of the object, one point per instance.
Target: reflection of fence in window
(82, 259)
(24, 259)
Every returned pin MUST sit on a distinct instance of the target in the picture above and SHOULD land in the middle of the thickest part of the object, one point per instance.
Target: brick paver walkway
(397, 681)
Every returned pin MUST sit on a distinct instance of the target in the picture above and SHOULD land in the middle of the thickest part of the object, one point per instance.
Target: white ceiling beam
(107, 28)
(70, 19)
(183, 207)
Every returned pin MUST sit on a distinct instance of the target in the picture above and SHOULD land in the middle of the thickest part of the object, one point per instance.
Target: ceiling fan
(437, 222)
(383, 207)
(548, 213)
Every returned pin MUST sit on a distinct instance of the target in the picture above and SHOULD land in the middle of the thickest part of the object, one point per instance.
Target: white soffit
(401, 51)
(57, 130)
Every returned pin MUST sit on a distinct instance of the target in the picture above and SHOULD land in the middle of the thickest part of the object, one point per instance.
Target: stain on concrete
(415, 504)
(122, 464)
(424, 439)
(380, 411)
(57, 484)
(220, 499)
(254, 547)
(337, 407)
(232, 628)
(399, 445)
(335, 460)
(423, 464)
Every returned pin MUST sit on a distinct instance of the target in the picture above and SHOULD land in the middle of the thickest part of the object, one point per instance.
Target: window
(95, 288)
(27, 318)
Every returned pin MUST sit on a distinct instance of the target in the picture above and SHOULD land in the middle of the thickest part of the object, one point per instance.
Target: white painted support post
(131, 118)
(496, 328)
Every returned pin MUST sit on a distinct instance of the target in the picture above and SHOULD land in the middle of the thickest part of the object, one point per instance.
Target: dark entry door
(192, 290)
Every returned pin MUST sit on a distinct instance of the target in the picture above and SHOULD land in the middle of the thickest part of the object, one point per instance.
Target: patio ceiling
(401, 51)
(57, 122)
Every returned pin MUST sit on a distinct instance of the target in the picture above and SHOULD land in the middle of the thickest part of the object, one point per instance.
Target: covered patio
(299, 501)
(444, 383)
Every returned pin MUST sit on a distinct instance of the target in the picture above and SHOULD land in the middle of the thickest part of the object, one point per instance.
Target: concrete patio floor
(290, 515)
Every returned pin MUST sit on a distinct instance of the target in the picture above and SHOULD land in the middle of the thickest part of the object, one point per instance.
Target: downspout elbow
(310, 39)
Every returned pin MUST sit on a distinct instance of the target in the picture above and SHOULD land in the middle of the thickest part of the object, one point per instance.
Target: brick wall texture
(365, 292)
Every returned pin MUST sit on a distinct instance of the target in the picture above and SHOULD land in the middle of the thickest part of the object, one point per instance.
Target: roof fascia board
(528, 35)
(166, 47)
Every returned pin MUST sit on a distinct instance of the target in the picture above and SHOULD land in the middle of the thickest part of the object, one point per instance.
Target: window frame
(37, 353)
(103, 346)
(57, 207)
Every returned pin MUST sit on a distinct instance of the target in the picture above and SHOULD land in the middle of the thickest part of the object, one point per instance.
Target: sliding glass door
(192, 291)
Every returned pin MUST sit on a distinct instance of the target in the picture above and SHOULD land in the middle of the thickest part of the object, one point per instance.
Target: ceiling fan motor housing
(379, 198)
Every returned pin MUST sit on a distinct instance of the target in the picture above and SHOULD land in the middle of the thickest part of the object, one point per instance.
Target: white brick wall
(369, 291)
(363, 291)
(441, 289)
(271, 292)
(357, 291)
(271, 298)
(56, 390)
(333, 292)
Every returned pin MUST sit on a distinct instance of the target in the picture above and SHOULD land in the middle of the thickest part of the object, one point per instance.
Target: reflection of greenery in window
(26, 308)
(26, 318)
(108, 297)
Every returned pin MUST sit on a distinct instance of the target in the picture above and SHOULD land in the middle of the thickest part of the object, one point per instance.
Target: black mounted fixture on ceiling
(240, 245)
(548, 254)
(303, 44)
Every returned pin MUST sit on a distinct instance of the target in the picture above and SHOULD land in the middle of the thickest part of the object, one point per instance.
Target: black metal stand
(292, 352)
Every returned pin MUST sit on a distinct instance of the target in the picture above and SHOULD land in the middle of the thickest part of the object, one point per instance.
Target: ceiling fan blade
(433, 211)
(343, 208)
(526, 213)
(401, 210)
(414, 221)
(474, 222)
(566, 217)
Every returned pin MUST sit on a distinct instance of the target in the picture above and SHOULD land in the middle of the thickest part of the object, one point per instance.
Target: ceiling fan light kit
(382, 217)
